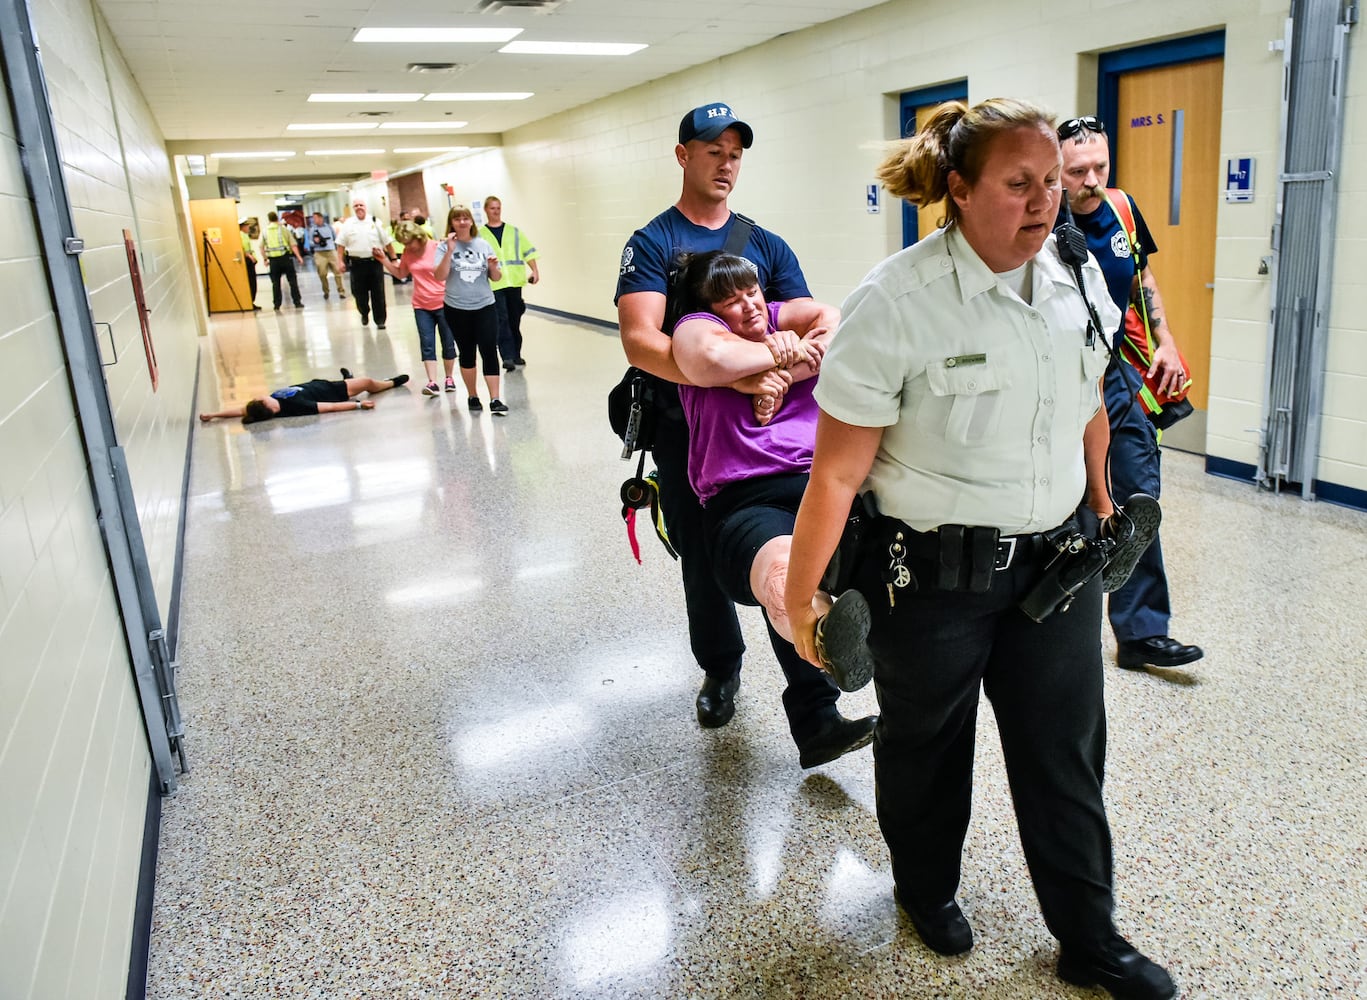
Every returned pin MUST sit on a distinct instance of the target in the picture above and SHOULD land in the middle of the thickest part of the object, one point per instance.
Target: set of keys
(897, 576)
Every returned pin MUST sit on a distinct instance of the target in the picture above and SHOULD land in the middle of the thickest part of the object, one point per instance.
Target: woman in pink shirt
(419, 257)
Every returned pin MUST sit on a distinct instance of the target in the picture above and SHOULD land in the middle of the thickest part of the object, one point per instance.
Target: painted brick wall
(74, 766)
(823, 100)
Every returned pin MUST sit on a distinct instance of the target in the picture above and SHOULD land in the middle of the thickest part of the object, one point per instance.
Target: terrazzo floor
(443, 741)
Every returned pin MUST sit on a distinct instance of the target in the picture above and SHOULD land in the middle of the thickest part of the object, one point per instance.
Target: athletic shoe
(450, 385)
(379, 326)
(519, 361)
(508, 366)
(842, 641)
(431, 389)
(399, 380)
(474, 404)
(346, 373)
(498, 406)
(1133, 528)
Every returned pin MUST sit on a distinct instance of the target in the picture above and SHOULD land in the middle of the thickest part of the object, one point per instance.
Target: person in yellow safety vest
(518, 256)
(249, 258)
(281, 252)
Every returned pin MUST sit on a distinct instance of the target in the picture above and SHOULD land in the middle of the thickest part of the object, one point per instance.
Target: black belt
(929, 545)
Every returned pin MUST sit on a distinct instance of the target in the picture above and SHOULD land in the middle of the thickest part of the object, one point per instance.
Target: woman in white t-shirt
(467, 263)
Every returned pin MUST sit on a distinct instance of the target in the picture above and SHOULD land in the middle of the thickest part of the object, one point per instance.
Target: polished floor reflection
(443, 741)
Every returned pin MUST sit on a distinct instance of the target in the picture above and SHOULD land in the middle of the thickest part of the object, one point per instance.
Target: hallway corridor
(443, 743)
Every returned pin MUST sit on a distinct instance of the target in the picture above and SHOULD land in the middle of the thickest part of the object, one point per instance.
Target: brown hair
(709, 278)
(461, 210)
(255, 411)
(954, 138)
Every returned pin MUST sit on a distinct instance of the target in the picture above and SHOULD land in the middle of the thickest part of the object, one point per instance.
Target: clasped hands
(789, 351)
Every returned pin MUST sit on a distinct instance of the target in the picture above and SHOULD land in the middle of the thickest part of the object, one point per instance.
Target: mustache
(1086, 193)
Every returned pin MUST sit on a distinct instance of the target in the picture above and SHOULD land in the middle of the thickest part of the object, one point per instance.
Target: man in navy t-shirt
(711, 143)
(1139, 611)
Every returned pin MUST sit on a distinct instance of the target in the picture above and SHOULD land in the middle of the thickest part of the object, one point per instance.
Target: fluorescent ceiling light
(364, 98)
(430, 149)
(436, 34)
(251, 156)
(572, 48)
(342, 152)
(448, 125)
(477, 97)
(332, 127)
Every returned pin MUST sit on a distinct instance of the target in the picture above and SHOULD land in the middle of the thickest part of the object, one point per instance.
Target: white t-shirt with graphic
(467, 283)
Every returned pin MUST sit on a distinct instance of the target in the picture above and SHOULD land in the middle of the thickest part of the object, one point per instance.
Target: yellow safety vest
(275, 240)
(513, 253)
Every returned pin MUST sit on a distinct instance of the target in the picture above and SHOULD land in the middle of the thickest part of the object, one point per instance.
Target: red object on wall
(135, 274)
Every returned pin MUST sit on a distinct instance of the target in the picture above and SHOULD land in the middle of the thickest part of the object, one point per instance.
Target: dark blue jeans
(933, 652)
(1140, 608)
(510, 306)
(429, 322)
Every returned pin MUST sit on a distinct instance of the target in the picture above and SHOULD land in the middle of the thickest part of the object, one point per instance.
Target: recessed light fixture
(447, 125)
(430, 149)
(252, 156)
(342, 152)
(436, 34)
(364, 98)
(330, 127)
(477, 97)
(572, 48)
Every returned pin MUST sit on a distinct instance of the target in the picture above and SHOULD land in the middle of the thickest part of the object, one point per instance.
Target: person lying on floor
(309, 398)
(749, 458)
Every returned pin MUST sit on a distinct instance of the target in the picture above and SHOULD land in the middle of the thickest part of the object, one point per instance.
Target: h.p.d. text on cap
(710, 121)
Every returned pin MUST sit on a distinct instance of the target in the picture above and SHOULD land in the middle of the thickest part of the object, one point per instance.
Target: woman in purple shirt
(749, 457)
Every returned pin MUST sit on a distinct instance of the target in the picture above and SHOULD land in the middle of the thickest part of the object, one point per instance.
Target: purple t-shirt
(725, 442)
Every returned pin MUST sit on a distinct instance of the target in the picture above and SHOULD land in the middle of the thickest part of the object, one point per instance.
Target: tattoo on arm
(1147, 304)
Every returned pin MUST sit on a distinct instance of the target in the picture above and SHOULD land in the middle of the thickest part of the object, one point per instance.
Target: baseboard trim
(140, 949)
(1339, 496)
(591, 321)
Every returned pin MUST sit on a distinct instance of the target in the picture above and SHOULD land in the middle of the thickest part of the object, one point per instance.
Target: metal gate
(1314, 60)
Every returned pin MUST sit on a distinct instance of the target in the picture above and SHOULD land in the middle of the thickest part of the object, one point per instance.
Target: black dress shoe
(1157, 650)
(1126, 976)
(835, 739)
(943, 928)
(717, 701)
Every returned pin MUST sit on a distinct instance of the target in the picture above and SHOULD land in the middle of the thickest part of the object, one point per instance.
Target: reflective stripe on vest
(276, 230)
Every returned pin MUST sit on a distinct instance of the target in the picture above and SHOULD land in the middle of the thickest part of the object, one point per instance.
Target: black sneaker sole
(842, 641)
(1145, 514)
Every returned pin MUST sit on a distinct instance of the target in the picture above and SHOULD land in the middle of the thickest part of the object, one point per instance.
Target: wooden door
(928, 217)
(1166, 148)
(218, 251)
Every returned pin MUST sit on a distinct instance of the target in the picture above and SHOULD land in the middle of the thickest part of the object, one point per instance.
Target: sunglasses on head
(1073, 126)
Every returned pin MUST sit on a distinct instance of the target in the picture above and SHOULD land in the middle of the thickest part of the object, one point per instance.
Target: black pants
(251, 279)
(283, 266)
(932, 652)
(740, 520)
(367, 288)
(510, 309)
(475, 330)
(713, 629)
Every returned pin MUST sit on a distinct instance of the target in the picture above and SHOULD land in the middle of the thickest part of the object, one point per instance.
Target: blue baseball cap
(710, 121)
